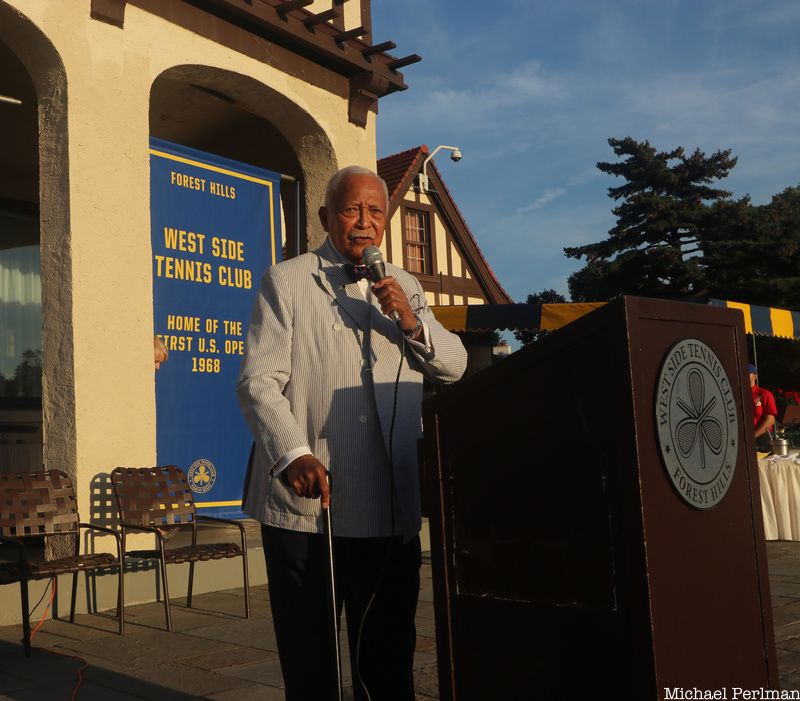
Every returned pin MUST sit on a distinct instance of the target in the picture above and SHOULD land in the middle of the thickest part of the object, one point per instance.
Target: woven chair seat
(75, 563)
(9, 571)
(192, 553)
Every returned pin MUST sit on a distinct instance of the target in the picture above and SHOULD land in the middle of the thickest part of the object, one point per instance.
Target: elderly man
(330, 382)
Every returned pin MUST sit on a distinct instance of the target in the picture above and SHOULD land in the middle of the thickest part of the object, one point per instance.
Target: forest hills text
(227, 251)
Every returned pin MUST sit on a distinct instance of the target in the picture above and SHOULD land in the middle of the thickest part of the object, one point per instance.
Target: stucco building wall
(99, 400)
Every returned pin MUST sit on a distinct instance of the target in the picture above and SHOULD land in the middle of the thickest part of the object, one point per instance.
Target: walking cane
(336, 673)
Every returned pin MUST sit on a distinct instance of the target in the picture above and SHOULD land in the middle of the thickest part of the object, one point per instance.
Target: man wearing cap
(764, 410)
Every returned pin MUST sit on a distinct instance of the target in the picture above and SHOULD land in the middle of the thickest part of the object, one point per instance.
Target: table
(780, 498)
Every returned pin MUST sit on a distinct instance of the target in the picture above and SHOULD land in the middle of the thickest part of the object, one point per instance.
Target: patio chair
(157, 500)
(39, 504)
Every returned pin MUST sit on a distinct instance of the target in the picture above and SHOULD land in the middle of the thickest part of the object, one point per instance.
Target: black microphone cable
(385, 566)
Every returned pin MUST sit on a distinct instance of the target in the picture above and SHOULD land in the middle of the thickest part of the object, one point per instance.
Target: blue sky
(531, 91)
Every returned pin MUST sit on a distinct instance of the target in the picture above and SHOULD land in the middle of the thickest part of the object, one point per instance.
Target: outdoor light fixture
(455, 156)
(10, 100)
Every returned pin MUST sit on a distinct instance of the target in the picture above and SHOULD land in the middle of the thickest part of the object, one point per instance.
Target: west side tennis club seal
(696, 423)
(202, 476)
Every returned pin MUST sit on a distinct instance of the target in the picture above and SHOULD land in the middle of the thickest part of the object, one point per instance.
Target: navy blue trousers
(297, 568)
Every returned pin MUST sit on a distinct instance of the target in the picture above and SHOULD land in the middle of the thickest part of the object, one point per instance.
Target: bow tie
(357, 272)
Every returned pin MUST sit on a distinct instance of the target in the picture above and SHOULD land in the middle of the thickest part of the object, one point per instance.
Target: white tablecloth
(780, 498)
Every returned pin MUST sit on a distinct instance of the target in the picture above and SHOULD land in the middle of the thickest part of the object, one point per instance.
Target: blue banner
(215, 227)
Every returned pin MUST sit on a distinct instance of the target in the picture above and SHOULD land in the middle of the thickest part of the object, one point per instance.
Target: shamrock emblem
(201, 476)
(698, 426)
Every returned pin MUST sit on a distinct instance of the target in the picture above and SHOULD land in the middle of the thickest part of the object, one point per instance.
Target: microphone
(373, 260)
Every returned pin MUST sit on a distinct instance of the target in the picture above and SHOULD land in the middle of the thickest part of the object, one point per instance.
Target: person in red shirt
(764, 409)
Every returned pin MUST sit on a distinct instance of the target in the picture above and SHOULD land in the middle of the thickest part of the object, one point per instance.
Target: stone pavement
(215, 654)
(784, 582)
(212, 653)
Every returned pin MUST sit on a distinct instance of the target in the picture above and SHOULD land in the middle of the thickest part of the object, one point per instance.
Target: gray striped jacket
(319, 369)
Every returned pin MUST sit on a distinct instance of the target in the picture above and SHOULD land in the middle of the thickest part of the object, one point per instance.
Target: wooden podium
(595, 515)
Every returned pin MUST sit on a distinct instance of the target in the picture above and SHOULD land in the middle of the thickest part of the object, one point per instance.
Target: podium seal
(697, 428)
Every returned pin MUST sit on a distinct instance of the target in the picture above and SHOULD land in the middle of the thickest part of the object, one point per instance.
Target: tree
(755, 257)
(667, 203)
(528, 336)
(754, 254)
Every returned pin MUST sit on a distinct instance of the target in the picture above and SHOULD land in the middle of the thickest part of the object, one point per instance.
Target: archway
(38, 403)
(233, 115)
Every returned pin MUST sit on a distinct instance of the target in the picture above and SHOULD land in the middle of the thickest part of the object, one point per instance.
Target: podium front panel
(565, 563)
(708, 586)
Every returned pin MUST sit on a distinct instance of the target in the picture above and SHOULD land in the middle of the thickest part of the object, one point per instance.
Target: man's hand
(393, 299)
(307, 477)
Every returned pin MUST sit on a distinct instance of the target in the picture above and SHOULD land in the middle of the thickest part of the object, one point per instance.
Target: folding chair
(158, 499)
(43, 504)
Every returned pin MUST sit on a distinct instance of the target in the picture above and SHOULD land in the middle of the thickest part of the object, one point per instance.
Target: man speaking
(332, 380)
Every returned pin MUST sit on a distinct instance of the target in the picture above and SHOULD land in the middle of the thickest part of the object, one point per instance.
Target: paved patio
(212, 653)
(215, 654)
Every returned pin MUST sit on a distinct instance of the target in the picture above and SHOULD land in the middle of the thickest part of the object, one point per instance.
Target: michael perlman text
(727, 693)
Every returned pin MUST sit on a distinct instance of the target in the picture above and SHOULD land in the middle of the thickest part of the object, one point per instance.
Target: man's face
(753, 378)
(358, 217)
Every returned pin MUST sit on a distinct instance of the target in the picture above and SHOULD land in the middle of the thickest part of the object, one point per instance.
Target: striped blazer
(319, 369)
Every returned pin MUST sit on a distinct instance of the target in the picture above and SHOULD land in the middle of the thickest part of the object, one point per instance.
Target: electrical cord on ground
(84, 664)
(385, 565)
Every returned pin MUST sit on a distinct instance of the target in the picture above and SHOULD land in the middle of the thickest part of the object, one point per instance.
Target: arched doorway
(232, 115)
(37, 407)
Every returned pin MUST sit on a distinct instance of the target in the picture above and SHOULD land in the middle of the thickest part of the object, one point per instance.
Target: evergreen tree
(666, 205)
(753, 255)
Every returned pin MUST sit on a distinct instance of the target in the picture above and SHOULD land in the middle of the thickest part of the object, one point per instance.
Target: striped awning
(762, 321)
(510, 317)
(765, 321)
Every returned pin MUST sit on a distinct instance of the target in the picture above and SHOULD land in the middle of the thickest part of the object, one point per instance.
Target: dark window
(20, 307)
(417, 234)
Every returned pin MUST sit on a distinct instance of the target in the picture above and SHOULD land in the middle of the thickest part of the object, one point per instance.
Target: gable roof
(399, 171)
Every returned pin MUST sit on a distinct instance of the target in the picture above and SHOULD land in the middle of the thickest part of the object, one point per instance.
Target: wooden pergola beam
(405, 61)
(378, 48)
(342, 37)
(291, 26)
(321, 18)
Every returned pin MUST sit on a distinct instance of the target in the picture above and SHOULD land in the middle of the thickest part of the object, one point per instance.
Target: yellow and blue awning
(509, 317)
(761, 321)
(765, 321)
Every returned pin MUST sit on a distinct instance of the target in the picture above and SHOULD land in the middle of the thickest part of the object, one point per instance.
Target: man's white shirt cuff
(289, 458)
(423, 346)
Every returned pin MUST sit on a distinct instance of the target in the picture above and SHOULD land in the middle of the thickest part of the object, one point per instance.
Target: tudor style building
(428, 236)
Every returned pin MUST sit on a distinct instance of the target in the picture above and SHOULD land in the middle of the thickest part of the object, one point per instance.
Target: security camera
(455, 156)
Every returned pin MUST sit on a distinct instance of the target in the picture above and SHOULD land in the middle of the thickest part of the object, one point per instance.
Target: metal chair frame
(39, 504)
(155, 499)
